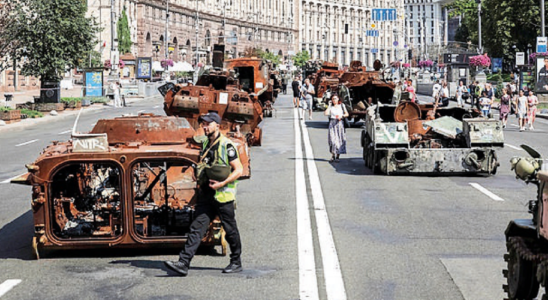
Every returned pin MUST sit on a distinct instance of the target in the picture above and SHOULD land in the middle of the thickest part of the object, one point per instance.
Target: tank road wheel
(521, 277)
(367, 152)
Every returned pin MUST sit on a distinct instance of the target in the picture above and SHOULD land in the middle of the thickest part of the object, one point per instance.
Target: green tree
(275, 59)
(52, 35)
(505, 23)
(124, 35)
(301, 58)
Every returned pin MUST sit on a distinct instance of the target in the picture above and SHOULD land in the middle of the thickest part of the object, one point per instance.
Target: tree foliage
(7, 32)
(274, 58)
(505, 23)
(124, 35)
(301, 58)
(52, 35)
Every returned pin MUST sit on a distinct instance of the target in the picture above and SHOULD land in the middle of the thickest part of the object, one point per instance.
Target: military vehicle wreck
(129, 183)
(256, 77)
(527, 239)
(421, 139)
(220, 91)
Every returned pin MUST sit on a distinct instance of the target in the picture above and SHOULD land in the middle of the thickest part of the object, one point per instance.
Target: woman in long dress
(505, 102)
(336, 137)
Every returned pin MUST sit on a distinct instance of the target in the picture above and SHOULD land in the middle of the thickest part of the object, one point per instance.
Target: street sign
(384, 14)
(374, 50)
(520, 58)
(541, 44)
(449, 58)
(395, 43)
(374, 33)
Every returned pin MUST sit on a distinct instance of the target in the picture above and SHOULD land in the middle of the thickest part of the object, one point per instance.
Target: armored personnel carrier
(421, 139)
(527, 239)
(129, 183)
(258, 78)
(220, 91)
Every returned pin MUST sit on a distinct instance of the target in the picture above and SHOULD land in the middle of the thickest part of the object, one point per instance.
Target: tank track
(531, 251)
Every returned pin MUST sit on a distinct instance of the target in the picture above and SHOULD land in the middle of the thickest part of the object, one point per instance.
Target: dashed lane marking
(7, 285)
(66, 131)
(334, 282)
(513, 147)
(486, 191)
(26, 143)
(157, 106)
(308, 282)
(142, 110)
(514, 125)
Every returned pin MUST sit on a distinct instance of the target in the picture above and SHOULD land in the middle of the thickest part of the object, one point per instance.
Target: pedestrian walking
(116, 90)
(461, 89)
(444, 96)
(513, 88)
(436, 90)
(215, 197)
(473, 95)
(522, 106)
(505, 102)
(296, 87)
(336, 137)
(284, 85)
(485, 103)
(411, 91)
(307, 92)
(532, 101)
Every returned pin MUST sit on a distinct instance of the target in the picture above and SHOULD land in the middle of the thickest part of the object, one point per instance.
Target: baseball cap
(210, 117)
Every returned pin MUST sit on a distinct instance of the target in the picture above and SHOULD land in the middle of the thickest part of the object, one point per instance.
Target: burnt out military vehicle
(129, 183)
(527, 239)
(220, 91)
(421, 139)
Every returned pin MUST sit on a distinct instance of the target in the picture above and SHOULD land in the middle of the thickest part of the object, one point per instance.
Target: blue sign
(372, 33)
(144, 68)
(496, 64)
(94, 83)
(374, 50)
(384, 14)
(541, 44)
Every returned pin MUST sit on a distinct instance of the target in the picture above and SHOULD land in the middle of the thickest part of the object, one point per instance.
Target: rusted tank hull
(436, 161)
(98, 191)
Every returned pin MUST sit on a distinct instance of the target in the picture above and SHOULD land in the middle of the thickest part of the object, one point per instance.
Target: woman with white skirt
(336, 137)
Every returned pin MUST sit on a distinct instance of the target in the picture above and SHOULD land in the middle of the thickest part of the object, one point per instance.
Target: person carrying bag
(336, 137)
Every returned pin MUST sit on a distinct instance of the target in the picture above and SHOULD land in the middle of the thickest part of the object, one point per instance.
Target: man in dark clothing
(296, 87)
(542, 82)
(215, 198)
(472, 93)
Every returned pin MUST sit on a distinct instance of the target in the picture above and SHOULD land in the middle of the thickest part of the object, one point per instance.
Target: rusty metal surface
(138, 192)
(407, 111)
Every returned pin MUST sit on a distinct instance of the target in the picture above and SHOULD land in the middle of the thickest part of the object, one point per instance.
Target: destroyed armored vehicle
(129, 183)
(527, 239)
(419, 139)
(325, 81)
(255, 76)
(220, 91)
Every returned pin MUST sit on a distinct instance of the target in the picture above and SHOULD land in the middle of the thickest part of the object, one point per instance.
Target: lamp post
(542, 19)
(480, 48)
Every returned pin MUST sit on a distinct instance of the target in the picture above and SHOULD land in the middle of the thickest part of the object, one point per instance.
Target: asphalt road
(310, 229)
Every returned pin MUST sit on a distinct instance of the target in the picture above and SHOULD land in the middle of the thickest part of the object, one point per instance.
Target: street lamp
(480, 48)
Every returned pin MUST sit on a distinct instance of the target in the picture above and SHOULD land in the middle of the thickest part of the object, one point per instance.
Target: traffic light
(409, 54)
(345, 28)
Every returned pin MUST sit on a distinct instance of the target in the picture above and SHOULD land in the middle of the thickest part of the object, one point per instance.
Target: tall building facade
(426, 26)
(346, 30)
(189, 28)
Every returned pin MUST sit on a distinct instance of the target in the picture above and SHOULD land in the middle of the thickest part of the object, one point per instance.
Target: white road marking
(308, 282)
(26, 143)
(514, 125)
(478, 278)
(486, 191)
(7, 285)
(157, 106)
(334, 282)
(142, 110)
(513, 147)
(66, 131)
(9, 179)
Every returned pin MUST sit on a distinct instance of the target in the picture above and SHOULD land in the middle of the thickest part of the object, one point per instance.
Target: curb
(31, 122)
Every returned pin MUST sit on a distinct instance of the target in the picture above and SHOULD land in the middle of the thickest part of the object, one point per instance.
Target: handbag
(465, 96)
(205, 172)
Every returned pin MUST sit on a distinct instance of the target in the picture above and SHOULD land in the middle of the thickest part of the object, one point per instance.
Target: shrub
(31, 113)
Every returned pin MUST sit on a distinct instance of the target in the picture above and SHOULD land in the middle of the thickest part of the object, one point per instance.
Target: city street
(310, 229)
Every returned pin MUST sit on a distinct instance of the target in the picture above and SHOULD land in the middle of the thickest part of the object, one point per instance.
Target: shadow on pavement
(351, 166)
(16, 238)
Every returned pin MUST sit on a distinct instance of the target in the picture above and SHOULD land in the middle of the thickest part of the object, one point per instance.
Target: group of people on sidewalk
(523, 103)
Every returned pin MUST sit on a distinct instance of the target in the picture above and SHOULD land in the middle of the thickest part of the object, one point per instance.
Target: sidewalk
(28, 96)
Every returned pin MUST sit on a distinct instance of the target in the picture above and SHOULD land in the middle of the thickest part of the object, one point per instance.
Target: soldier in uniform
(215, 198)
